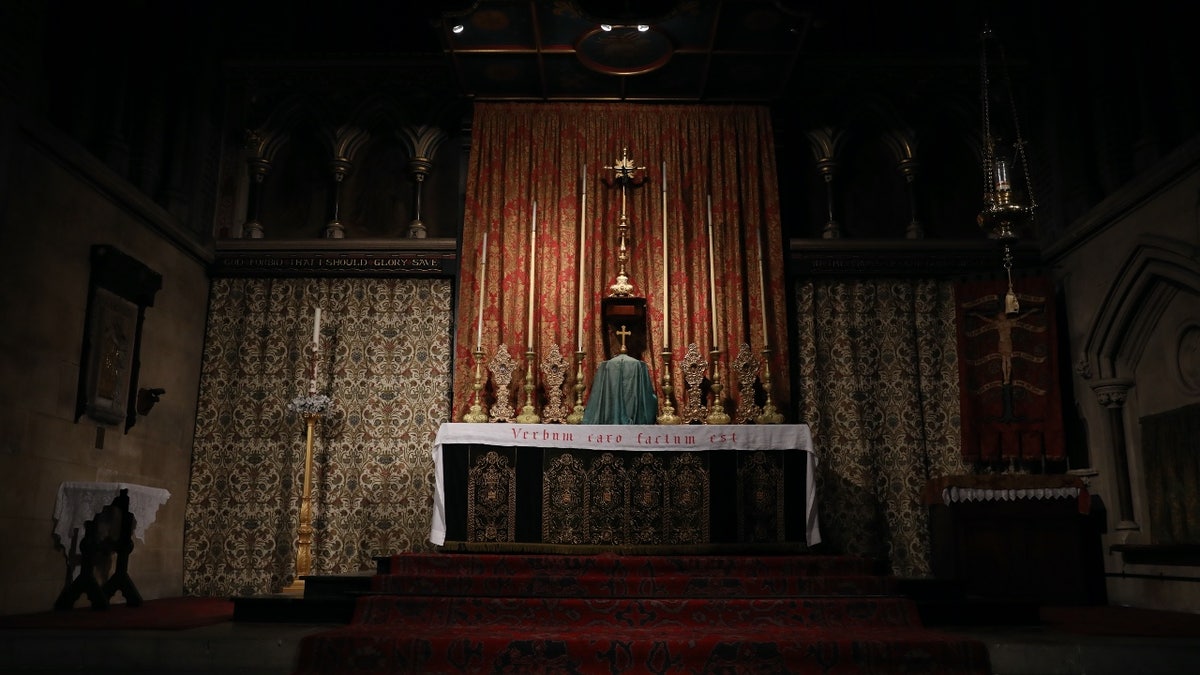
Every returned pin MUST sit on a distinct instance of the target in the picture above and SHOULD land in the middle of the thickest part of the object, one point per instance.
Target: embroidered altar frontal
(577, 496)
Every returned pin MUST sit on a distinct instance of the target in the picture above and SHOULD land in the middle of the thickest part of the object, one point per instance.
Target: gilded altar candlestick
(770, 415)
(482, 281)
(666, 296)
(532, 275)
(582, 238)
(762, 290)
(576, 416)
(304, 532)
(478, 412)
(712, 279)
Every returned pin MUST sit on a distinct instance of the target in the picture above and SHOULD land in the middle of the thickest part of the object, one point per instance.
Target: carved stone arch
(877, 205)
(280, 125)
(295, 198)
(1155, 272)
(952, 159)
(826, 145)
(376, 198)
(380, 113)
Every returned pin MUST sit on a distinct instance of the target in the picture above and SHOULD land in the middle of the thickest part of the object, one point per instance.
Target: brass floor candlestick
(478, 412)
(668, 415)
(769, 414)
(716, 411)
(304, 534)
(528, 413)
(576, 416)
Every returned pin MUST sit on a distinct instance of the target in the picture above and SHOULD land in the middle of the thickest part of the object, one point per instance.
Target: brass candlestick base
(478, 412)
(769, 414)
(304, 534)
(716, 409)
(668, 415)
(528, 413)
(576, 416)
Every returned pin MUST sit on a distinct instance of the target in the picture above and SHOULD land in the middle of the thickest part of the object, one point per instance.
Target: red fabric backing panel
(1010, 402)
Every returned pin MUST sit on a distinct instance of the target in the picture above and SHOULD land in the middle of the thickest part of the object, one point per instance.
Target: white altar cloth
(80, 502)
(629, 438)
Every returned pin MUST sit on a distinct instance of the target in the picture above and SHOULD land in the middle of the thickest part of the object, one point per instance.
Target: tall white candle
(666, 297)
(712, 278)
(482, 295)
(316, 346)
(532, 274)
(762, 287)
(582, 237)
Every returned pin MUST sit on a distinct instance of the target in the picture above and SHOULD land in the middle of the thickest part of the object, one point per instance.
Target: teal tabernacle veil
(622, 393)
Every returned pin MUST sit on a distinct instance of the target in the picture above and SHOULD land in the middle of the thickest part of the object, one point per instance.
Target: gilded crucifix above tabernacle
(625, 174)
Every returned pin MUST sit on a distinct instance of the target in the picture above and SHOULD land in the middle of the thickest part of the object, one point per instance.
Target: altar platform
(577, 487)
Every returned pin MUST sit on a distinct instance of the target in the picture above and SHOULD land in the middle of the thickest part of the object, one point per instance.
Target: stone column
(1111, 394)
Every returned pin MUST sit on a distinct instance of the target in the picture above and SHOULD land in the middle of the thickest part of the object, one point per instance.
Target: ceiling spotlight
(642, 28)
(458, 28)
(605, 27)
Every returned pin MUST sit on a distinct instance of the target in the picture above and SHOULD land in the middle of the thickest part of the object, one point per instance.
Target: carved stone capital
(1083, 368)
(1112, 393)
(259, 167)
(341, 168)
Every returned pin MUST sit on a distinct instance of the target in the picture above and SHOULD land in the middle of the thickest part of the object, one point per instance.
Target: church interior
(321, 285)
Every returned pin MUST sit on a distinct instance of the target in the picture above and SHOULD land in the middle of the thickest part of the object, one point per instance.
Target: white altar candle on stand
(582, 237)
(532, 274)
(482, 295)
(316, 347)
(762, 288)
(666, 295)
(712, 278)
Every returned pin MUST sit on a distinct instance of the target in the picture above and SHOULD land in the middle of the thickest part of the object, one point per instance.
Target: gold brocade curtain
(879, 387)
(554, 155)
(385, 362)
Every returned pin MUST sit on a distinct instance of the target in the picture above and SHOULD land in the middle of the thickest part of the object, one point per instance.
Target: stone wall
(1130, 276)
(56, 201)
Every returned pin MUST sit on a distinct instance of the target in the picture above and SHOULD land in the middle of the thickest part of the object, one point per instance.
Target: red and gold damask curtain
(555, 155)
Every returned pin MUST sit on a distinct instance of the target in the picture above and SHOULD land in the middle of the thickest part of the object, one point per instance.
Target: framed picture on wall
(119, 291)
(111, 338)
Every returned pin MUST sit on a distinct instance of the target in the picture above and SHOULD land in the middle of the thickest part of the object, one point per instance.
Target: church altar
(624, 484)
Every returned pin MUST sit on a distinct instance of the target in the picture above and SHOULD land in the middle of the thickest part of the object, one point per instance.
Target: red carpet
(455, 612)
(161, 614)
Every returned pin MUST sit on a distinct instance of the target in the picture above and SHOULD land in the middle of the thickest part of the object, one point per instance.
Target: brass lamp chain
(989, 142)
(989, 145)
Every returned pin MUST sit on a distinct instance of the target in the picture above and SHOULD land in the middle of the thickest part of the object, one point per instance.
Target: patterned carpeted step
(608, 613)
(370, 650)
(730, 613)
(606, 585)
(628, 565)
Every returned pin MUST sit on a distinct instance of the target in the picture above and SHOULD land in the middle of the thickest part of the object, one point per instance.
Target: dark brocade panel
(599, 498)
